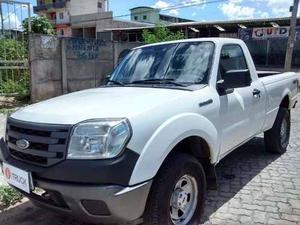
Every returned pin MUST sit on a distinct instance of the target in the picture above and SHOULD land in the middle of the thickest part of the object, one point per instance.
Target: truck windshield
(180, 64)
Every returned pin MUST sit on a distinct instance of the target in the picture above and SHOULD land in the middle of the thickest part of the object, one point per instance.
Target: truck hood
(106, 102)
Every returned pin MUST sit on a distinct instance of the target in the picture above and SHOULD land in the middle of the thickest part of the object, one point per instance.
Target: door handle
(256, 93)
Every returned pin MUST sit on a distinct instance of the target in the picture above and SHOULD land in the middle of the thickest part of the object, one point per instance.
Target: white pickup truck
(143, 148)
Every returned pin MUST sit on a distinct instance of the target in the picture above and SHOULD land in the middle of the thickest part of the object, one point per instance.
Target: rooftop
(283, 21)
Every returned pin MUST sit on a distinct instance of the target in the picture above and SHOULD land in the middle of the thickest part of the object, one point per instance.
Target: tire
(179, 169)
(277, 138)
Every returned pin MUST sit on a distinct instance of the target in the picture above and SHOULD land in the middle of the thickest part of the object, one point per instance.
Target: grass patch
(9, 196)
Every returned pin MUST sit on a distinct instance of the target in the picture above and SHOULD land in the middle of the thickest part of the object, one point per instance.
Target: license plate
(16, 177)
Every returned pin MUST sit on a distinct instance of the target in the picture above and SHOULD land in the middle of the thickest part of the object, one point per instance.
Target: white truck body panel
(161, 118)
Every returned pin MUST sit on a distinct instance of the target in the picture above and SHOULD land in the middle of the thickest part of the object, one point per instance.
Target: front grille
(47, 142)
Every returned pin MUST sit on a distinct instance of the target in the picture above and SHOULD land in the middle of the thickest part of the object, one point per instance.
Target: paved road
(254, 187)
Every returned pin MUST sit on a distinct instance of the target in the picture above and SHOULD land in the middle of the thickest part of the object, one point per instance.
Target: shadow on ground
(28, 214)
(235, 171)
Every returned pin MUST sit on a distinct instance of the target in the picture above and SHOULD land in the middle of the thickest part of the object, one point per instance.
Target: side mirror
(222, 89)
(233, 79)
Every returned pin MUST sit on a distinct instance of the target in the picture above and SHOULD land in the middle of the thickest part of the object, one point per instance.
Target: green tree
(39, 25)
(161, 34)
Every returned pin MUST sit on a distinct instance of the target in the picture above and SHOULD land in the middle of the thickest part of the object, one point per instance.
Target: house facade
(60, 12)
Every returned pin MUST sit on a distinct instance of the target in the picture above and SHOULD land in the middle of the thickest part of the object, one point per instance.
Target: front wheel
(277, 138)
(178, 193)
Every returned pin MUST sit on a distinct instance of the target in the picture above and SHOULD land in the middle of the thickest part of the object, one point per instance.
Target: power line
(178, 6)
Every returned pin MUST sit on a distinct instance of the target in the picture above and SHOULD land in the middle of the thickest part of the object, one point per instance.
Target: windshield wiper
(158, 81)
(116, 82)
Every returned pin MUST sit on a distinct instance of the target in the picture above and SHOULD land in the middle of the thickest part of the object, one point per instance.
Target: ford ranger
(143, 147)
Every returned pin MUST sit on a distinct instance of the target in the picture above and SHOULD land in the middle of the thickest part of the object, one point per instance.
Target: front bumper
(94, 203)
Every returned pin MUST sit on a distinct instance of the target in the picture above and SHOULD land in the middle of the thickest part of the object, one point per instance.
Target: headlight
(99, 139)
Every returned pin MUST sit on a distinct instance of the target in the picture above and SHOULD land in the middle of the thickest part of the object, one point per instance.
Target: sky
(199, 10)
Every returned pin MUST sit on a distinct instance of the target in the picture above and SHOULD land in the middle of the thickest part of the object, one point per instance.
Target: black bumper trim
(111, 171)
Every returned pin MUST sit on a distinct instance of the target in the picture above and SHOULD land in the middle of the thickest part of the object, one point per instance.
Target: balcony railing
(46, 7)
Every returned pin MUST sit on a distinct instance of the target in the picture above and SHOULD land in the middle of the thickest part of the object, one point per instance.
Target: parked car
(143, 148)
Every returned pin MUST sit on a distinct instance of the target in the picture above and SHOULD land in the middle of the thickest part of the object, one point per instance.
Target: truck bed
(262, 73)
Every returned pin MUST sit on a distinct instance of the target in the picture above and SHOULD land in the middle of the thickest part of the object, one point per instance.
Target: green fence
(14, 67)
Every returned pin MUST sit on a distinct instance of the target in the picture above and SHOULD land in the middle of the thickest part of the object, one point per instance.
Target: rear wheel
(178, 193)
(277, 138)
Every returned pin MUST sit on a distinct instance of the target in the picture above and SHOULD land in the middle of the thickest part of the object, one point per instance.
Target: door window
(232, 59)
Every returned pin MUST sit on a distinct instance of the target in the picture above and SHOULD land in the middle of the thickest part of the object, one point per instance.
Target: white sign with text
(16, 177)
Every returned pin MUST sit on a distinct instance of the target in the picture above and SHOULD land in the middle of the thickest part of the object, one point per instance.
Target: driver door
(235, 107)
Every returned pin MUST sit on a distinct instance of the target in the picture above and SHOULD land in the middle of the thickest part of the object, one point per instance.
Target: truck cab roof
(216, 40)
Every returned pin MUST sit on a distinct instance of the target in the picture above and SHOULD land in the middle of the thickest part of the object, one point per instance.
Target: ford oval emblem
(22, 144)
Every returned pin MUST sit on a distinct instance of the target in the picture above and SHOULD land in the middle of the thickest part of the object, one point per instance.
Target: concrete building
(95, 25)
(151, 15)
(60, 12)
(78, 18)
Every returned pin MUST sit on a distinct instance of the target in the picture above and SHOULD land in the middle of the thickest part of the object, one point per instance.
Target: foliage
(14, 80)
(18, 85)
(9, 196)
(161, 34)
(39, 25)
(11, 49)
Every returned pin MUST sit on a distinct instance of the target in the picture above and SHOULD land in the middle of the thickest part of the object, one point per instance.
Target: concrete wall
(45, 66)
(62, 65)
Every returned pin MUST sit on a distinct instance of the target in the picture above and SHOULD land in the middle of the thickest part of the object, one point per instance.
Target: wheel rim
(184, 200)
(284, 133)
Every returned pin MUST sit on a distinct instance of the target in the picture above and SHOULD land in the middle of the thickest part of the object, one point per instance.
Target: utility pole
(1, 18)
(292, 37)
(29, 17)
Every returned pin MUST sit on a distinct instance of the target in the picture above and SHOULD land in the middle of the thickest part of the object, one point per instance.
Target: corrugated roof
(281, 20)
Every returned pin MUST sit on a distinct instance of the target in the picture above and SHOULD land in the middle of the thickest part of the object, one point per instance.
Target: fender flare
(166, 137)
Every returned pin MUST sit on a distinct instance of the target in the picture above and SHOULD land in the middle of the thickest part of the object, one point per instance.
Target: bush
(9, 196)
(39, 25)
(19, 85)
(11, 49)
(13, 80)
(161, 34)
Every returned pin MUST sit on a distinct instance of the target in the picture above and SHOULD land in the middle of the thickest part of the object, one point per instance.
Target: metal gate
(14, 66)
